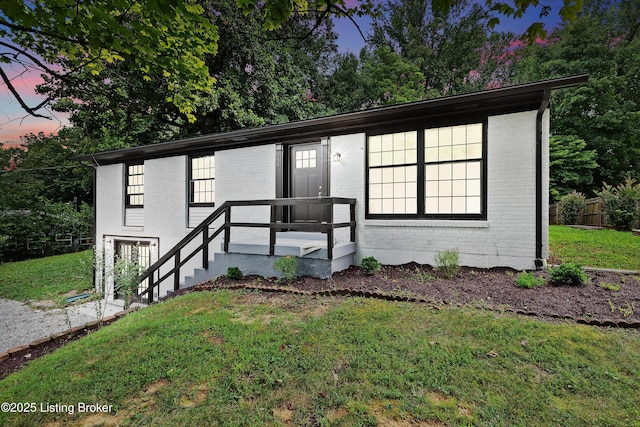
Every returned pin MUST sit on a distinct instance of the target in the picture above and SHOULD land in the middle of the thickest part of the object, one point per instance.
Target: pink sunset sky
(14, 122)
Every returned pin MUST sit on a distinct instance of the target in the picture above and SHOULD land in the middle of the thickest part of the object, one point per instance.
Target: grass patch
(46, 278)
(246, 358)
(595, 248)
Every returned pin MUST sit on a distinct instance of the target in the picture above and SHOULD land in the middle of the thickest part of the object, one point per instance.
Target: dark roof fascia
(490, 102)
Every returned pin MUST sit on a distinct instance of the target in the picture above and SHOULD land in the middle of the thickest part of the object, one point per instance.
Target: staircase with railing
(198, 241)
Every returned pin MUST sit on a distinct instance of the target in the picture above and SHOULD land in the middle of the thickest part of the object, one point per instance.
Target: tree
(263, 77)
(569, 11)
(40, 171)
(164, 40)
(452, 51)
(158, 38)
(571, 166)
(604, 113)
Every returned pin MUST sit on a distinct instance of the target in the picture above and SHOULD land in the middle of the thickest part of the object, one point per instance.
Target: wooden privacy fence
(592, 214)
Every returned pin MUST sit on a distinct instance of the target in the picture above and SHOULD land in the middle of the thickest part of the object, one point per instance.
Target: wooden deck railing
(176, 259)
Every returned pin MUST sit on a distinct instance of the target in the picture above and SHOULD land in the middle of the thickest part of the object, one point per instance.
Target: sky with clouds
(14, 122)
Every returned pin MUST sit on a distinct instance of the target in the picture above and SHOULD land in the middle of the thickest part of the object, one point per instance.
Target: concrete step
(261, 264)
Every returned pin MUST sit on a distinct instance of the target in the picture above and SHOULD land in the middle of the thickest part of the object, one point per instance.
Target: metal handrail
(153, 272)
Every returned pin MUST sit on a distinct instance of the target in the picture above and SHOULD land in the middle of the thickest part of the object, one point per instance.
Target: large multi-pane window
(134, 197)
(436, 172)
(393, 176)
(453, 162)
(202, 184)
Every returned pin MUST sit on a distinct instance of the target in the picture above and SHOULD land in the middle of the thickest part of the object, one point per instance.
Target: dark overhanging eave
(508, 99)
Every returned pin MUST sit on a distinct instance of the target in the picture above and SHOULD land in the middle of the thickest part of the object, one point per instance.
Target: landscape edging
(606, 322)
(22, 350)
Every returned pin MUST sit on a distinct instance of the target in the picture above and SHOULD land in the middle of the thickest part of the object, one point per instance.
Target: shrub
(125, 276)
(620, 204)
(569, 273)
(528, 280)
(447, 262)
(287, 267)
(370, 265)
(234, 273)
(570, 207)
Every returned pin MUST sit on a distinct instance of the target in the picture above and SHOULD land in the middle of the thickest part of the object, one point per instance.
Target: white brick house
(467, 172)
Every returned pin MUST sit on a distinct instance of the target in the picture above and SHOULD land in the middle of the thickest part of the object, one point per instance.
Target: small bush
(610, 286)
(287, 267)
(569, 273)
(447, 263)
(570, 207)
(620, 204)
(528, 280)
(370, 265)
(125, 276)
(234, 273)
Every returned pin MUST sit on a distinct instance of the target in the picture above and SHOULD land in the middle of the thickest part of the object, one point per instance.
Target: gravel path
(21, 324)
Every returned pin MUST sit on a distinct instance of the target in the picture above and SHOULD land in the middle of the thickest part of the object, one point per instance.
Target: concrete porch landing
(251, 256)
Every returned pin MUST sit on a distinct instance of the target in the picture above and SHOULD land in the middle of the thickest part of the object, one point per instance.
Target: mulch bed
(493, 289)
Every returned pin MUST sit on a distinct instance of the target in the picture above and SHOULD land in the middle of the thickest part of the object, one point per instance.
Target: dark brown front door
(308, 179)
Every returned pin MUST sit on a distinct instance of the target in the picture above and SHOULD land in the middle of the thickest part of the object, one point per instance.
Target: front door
(308, 175)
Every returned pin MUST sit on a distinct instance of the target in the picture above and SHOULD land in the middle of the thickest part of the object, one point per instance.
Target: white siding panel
(134, 217)
(199, 214)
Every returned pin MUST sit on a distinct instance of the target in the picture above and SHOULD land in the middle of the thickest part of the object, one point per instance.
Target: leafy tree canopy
(165, 40)
(604, 42)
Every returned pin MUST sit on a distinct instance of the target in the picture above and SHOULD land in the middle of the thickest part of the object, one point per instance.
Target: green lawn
(46, 278)
(251, 359)
(595, 248)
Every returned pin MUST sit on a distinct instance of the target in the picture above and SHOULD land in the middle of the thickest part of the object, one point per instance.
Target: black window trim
(190, 181)
(127, 204)
(419, 129)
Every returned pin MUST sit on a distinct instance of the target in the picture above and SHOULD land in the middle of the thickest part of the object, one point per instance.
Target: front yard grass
(252, 359)
(594, 248)
(46, 278)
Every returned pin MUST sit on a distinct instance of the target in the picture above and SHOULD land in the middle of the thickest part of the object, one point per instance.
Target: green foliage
(55, 228)
(125, 276)
(570, 207)
(447, 263)
(615, 287)
(234, 273)
(46, 278)
(262, 77)
(621, 204)
(603, 42)
(163, 38)
(435, 52)
(370, 265)
(287, 266)
(571, 165)
(528, 280)
(568, 273)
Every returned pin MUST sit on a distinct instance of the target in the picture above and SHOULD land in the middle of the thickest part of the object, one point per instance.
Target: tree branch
(31, 111)
(33, 58)
(53, 35)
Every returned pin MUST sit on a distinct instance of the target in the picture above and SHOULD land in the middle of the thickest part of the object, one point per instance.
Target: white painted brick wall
(247, 174)
(507, 238)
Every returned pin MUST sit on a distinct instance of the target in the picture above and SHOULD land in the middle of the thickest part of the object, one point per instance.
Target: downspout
(539, 261)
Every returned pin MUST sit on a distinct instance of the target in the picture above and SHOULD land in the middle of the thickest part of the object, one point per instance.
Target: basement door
(308, 172)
